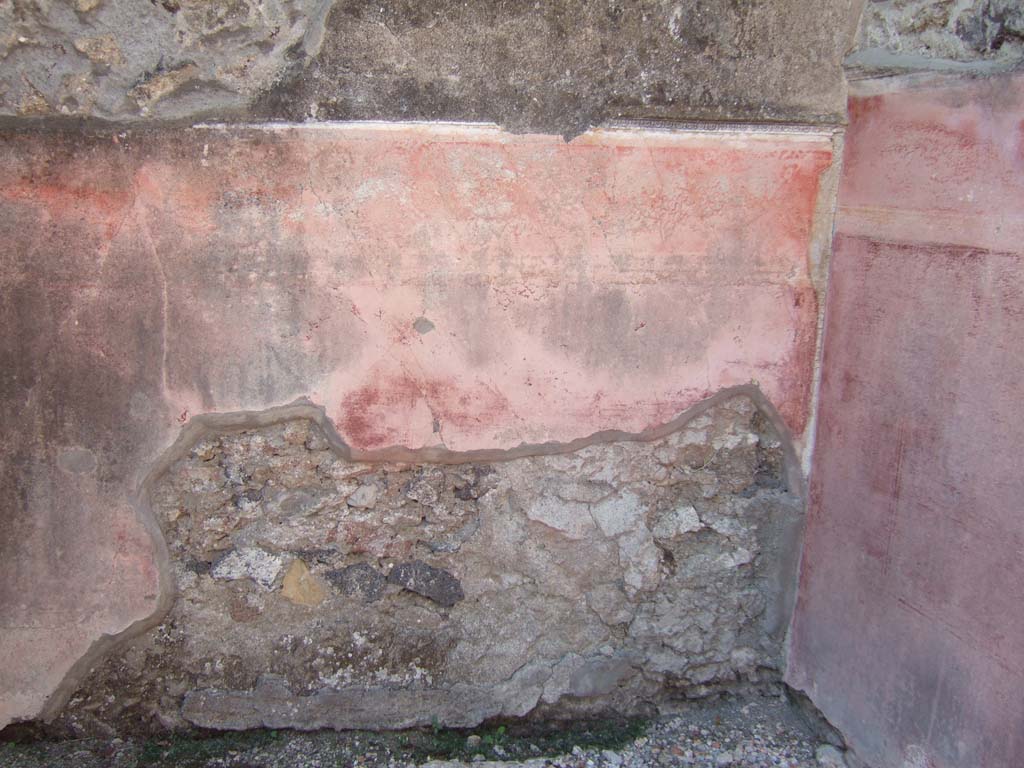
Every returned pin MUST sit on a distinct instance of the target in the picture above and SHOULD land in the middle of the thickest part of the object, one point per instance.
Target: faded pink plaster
(609, 283)
(494, 238)
(910, 612)
(704, 238)
(939, 165)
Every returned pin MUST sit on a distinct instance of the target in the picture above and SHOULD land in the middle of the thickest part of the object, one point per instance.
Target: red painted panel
(909, 632)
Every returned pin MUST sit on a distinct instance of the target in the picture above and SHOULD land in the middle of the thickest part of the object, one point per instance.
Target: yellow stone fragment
(301, 586)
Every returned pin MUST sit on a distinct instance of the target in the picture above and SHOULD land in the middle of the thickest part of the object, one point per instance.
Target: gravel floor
(755, 731)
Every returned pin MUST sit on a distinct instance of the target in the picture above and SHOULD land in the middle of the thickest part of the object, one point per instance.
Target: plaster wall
(443, 293)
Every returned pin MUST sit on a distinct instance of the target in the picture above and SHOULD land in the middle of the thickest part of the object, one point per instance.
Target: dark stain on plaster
(361, 409)
(77, 460)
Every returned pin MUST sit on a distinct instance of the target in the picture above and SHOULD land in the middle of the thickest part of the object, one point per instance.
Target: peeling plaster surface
(148, 277)
(908, 623)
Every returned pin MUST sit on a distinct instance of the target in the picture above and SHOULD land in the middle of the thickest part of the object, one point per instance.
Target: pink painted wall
(909, 630)
(429, 286)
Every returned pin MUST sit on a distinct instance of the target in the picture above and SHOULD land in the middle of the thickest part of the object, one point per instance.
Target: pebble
(613, 759)
(364, 497)
(829, 757)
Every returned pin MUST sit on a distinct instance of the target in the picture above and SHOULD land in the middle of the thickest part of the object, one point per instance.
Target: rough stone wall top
(552, 67)
(125, 59)
(965, 35)
(559, 67)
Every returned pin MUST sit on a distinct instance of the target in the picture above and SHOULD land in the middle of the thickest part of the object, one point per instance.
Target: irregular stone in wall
(677, 522)
(572, 519)
(619, 513)
(359, 580)
(302, 587)
(434, 583)
(363, 497)
(248, 562)
(455, 593)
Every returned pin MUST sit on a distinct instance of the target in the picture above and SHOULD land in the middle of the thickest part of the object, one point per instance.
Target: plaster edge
(824, 227)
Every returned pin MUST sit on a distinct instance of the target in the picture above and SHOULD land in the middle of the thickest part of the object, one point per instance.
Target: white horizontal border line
(631, 126)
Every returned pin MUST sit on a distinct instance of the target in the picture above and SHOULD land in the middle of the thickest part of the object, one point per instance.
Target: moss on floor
(195, 749)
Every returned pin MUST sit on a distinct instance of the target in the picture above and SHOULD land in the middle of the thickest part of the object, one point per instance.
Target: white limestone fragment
(679, 521)
(249, 562)
(618, 514)
(569, 518)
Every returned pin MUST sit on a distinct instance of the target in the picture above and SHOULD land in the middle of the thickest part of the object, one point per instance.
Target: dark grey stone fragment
(321, 555)
(248, 499)
(472, 486)
(422, 325)
(198, 566)
(359, 580)
(433, 583)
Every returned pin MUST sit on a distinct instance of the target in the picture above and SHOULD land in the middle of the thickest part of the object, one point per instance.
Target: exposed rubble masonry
(313, 590)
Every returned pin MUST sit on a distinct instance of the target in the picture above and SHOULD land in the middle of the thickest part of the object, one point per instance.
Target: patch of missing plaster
(437, 597)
